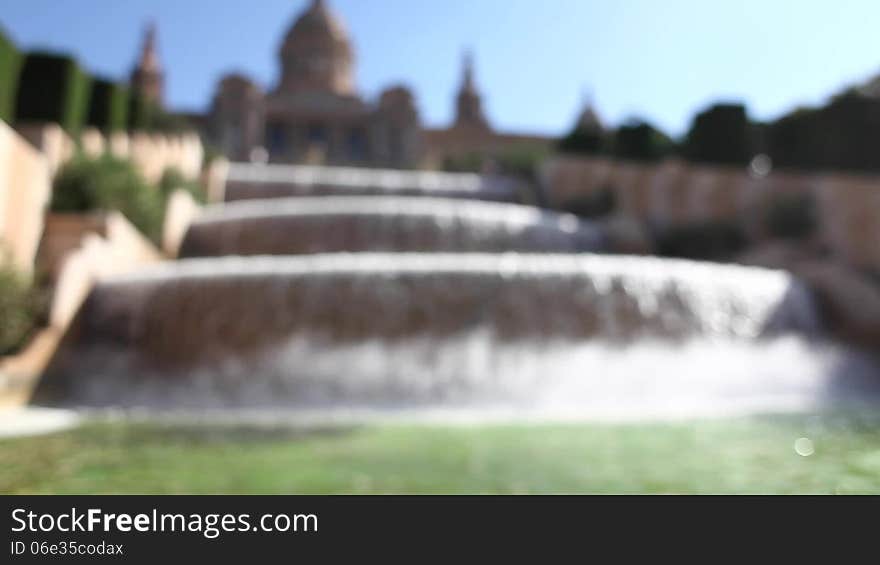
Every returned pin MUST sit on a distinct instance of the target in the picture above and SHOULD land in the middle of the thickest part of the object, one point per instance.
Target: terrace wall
(675, 193)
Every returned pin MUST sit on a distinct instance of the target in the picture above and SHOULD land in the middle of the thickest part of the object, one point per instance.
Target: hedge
(108, 106)
(53, 88)
(141, 113)
(10, 67)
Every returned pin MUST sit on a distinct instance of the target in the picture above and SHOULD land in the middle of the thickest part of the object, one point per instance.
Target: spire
(147, 78)
(588, 119)
(468, 66)
(149, 53)
(587, 97)
(469, 104)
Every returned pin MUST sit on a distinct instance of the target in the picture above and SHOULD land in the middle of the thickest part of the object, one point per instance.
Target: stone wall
(25, 190)
(51, 140)
(152, 153)
(675, 193)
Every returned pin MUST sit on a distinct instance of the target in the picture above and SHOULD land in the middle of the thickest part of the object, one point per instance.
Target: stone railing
(151, 153)
(107, 245)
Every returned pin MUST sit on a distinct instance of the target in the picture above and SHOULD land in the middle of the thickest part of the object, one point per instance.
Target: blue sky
(658, 59)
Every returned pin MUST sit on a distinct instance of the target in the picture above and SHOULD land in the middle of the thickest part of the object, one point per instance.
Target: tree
(720, 135)
(638, 140)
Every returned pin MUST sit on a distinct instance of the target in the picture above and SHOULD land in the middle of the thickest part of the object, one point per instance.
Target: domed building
(317, 55)
(314, 114)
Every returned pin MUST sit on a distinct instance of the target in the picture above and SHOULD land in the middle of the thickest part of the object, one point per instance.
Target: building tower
(317, 55)
(469, 104)
(147, 78)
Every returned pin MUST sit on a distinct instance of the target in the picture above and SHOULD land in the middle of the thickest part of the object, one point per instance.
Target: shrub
(706, 241)
(109, 183)
(108, 107)
(19, 310)
(792, 217)
(10, 67)
(173, 179)
(52, 88)
(597, 204)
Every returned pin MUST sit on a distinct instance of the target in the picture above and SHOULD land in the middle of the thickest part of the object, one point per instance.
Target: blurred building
(315, 115)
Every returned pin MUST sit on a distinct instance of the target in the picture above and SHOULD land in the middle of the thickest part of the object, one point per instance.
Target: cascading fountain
(294, 226)
(574, 334)
(382, 304)
(248, 182)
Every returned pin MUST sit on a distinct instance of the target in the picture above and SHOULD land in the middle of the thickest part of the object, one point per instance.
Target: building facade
(314, 114)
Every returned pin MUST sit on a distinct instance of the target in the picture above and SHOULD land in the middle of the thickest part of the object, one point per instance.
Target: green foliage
(10, 67)
(468, 163)
(597, 204)
(839, 136)
(52, 88)
(705, 241)
(523, 162)
(165, 122)
(173, 179)
(584, 141)
(109, 183)
(108, 108)
(141, 113)
(721, 135)
(792, 217)
(211, 154)
(144, 115)
(640, 141)
(19, 310)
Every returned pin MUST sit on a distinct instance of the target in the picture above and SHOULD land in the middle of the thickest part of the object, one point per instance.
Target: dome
(318, 20)
(317, 55)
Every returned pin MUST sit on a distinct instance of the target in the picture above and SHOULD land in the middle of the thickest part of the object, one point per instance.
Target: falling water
(561, 334)
(293, 226)
(246, 182)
